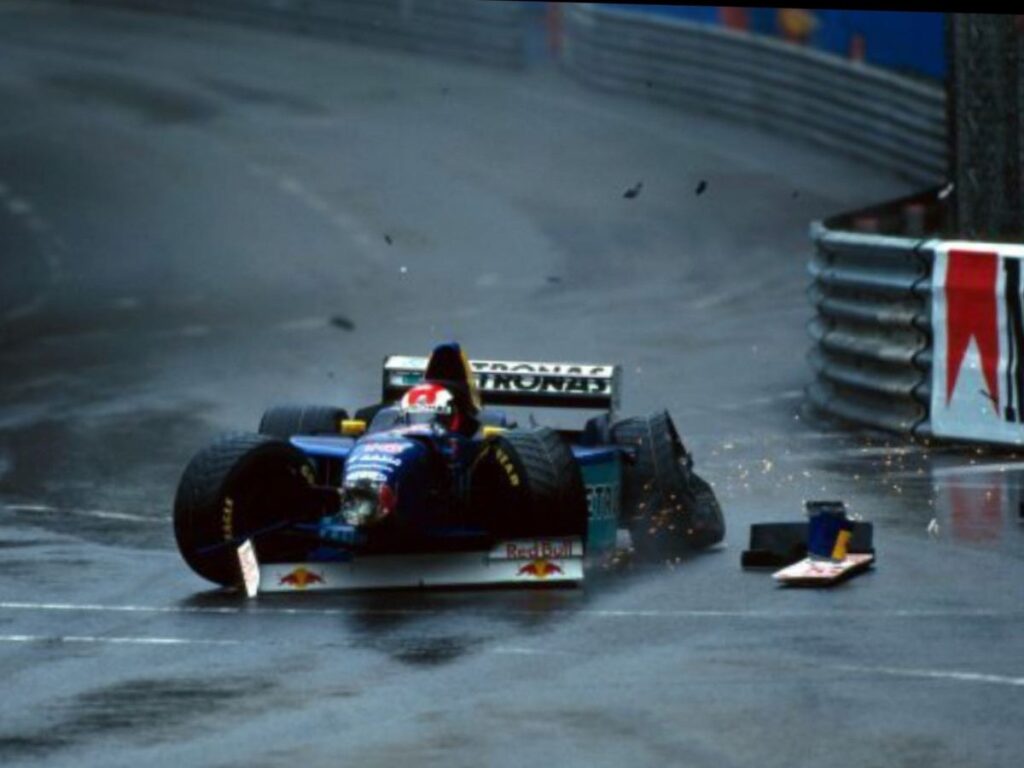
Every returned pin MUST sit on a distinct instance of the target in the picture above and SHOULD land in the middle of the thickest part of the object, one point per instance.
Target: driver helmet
(429, 403)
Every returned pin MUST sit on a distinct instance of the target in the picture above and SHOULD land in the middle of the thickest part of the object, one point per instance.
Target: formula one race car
(434, 486)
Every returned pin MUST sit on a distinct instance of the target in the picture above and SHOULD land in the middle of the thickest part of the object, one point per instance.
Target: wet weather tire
(666, 506)
(241, 486)
(284, 421)
(529, 484)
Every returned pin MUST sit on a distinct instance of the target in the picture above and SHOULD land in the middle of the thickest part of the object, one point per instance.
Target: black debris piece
(701, 186)
(796, 194)
(554, 279)
(633, 191)
(388, 240)
(340, 321)
(776, 545)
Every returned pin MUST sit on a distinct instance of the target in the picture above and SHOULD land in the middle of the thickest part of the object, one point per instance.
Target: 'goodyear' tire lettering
(508, 466)
(227, 518)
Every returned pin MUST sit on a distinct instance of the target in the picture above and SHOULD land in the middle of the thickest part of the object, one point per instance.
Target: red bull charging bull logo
(539, 569)
(301, 578)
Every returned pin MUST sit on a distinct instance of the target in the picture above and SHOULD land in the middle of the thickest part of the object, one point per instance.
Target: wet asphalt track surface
(184, 208)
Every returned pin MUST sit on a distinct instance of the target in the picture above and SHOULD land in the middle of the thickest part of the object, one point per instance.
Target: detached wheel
(284, 421)
(242, 486)
(528, 484)
(666, 506)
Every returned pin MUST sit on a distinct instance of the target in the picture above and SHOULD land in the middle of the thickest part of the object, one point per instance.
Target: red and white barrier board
(978, 327)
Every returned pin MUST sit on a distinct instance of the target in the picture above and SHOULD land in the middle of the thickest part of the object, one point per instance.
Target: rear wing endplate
(503, 382)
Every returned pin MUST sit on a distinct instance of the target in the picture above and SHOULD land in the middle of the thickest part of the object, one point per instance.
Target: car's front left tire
(242, 486)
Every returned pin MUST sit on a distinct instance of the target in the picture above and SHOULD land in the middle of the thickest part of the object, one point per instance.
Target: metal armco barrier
(491, 33)
(872, 330)
(892, 121)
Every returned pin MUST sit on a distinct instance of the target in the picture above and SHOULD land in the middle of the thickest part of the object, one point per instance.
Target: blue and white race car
(436, 486)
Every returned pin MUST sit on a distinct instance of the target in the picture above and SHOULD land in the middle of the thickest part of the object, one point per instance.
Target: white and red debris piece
(811, 572)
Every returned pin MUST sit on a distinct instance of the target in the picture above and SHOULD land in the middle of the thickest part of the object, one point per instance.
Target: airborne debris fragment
(933, 528)
(701, 187)
(340, 321)
(387, 239)
(633, 191)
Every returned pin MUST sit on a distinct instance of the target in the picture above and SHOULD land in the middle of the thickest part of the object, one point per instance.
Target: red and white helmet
(428, 398)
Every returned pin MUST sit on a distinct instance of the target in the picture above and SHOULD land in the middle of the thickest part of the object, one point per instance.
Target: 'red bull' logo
(301, 578)
(539, 569)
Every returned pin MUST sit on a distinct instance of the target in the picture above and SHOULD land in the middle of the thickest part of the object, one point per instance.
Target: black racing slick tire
(527, 483)
(242, 486)
(284, 421)
(708, 522)
(667, 507)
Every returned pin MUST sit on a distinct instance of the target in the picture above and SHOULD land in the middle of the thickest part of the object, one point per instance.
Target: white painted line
(937, 674)
(793, 394)
(250, 608)
(346, 223)
(103, 514)
(111, 640)
(506, 650)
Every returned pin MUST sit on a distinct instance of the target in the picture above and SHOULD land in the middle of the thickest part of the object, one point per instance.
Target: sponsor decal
(978, 325)
(538, 550)
(557, 385)
(602, 502)
(301, 578)
(392, 448)
(544, 378)
(373, 476)
(541, 568)
(374, 458)
(536, 378)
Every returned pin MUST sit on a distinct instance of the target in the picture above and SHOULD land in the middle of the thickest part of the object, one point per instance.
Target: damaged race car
(436, 486)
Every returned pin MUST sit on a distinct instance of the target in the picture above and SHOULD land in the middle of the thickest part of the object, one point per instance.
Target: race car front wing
(519, 562)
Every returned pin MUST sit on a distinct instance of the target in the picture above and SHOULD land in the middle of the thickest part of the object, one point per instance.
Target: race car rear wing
(503, 382)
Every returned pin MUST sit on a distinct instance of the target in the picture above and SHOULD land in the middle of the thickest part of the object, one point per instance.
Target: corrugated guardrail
(492, 33)
(893, 121)
(872, 330)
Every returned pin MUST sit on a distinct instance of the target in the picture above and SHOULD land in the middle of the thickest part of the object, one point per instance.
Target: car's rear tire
(284, 421)
(241, 486)
(667, 507)
(528, 484)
